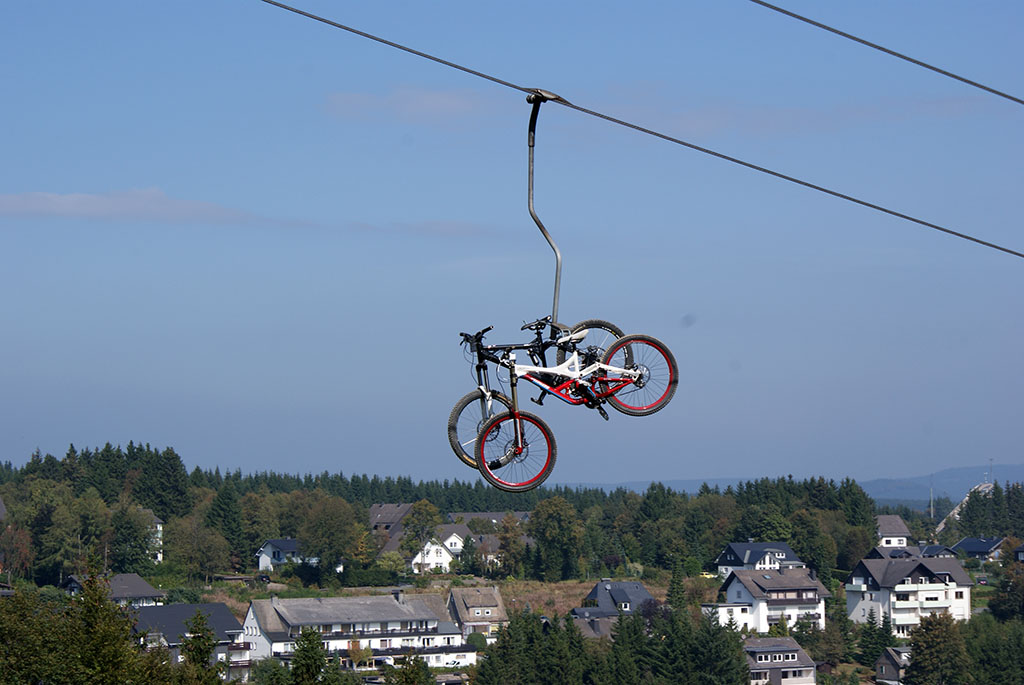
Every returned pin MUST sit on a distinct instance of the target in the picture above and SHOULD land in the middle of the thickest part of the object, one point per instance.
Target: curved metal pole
(537, 98)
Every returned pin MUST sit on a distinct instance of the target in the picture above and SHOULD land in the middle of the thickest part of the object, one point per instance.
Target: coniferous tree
(310, 658)
(938, 654)
(225, 517)
(677, 588)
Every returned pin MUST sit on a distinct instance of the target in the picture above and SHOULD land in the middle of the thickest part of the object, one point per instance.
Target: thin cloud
(149, 204)
(411, 104)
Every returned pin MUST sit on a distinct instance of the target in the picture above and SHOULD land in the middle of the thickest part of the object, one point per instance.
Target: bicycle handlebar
(538, 325)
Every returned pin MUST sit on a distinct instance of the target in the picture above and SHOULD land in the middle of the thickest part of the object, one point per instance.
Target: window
(959, 594)
(759, 676)
(385, 644)
(776, 657)
(791, 656)
(487, 612)
(476, 612)
(761, 658)
(743, 610)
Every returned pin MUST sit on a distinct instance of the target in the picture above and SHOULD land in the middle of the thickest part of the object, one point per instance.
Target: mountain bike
(515, 450)
(472, 411)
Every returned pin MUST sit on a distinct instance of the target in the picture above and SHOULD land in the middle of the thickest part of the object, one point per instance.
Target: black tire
(466, 420)
(523, 471)
(654, 389)
(602, 335)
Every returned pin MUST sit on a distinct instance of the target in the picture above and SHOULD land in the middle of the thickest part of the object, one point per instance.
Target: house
(907, 589)
(937, 552)
(756, 556)
(126, 589)
(759, 599)
(891, 530)
(778, 660)
(386, 625)
(1018, 555)
(166, 626)
(985, 549)
(283, 551)
(595, 627)
(156, 536)
(892, 665)
(911, 552)
(276, 552)
(437, 553)
(384, 517)
(610, 598)
(478, 610)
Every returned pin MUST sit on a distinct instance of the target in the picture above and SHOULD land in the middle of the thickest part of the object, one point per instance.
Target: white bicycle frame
(569, 369)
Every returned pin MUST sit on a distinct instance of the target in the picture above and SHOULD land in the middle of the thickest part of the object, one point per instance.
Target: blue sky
(241, 233)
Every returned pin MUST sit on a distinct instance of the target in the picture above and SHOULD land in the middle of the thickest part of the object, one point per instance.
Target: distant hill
(953, 483)
(914, 490)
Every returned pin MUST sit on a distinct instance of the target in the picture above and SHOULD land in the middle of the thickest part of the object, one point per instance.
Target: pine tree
(677, 587)
(310, 658)
(225, 517)
(938, 654)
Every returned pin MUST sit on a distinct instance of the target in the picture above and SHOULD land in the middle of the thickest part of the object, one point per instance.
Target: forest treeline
(97, 505)
(92, 504)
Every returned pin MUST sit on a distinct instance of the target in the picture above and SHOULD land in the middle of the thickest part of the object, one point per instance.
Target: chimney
(813, 574)
(399, 596)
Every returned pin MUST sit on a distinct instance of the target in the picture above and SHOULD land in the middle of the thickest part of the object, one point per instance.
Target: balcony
(354, 634)
(925, 587)
(239, 646)
(856, 588)
(792, 601)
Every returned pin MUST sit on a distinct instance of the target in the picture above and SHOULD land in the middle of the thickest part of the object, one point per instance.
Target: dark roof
(774, 645)
(123, 586)
(387, 515)
(891, 525)
(595, 627)
(936, 550)
(286, 545)
(759, 582)
(888, 573)
(743, 553)
(169, 620)
(608, 595)
(977, 545)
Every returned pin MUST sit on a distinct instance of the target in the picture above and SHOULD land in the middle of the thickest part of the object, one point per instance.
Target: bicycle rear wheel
(657, 382)
(507, 467)
(467, 418)
(601, 335)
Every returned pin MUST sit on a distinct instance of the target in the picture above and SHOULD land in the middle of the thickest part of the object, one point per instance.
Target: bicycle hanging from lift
(595, 364)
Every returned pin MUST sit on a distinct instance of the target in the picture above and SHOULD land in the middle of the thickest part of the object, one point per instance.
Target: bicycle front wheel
(659, 375)
(467, 418)
(511, 465)
(601, 334)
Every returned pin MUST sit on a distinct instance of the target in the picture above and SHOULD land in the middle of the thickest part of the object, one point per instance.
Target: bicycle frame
(574, 389)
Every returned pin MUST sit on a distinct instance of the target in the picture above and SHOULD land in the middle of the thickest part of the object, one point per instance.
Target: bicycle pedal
(539, 401)
(602, 412)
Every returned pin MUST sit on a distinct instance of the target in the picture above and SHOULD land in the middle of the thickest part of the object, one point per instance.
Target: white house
(156, 536)
(389, 625)
(892, 531)
(439, 552)
(908, 589)
(478, 610)
(285, 550)
(778, 660)
(756, 556)
(166, 626)
(758, 599)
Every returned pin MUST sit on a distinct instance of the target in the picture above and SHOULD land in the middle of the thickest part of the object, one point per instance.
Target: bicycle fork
(519, 445)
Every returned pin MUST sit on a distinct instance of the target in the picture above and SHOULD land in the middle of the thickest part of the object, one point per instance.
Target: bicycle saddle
(573, 337)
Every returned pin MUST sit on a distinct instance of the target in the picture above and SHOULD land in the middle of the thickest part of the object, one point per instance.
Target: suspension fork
(513, 383)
